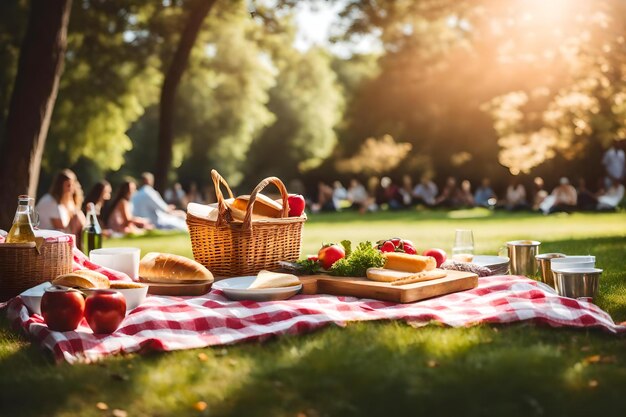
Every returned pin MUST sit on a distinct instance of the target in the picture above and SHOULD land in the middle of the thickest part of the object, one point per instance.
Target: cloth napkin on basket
(172, 323)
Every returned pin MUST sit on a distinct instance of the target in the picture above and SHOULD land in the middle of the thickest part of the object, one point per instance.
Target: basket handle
(247, 220)
(221, 204)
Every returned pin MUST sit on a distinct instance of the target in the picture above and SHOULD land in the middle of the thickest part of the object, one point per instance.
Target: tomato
(296, 205)
(397, 242)
(312, 258)
(409, 249)
(105, 310)
(62, 308)
(388, 246)
(439, 255)
(329, 254)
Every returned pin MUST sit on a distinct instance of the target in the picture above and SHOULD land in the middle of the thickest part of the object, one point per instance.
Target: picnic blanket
(172, 323)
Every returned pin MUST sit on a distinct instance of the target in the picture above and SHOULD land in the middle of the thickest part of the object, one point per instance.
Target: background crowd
(385, 193)
(135, 208)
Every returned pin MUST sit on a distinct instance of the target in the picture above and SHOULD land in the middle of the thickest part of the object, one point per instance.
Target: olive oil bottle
(22, 229)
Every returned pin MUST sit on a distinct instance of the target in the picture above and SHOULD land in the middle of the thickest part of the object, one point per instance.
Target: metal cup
(543, 263)
(577, 282)
(522, 257)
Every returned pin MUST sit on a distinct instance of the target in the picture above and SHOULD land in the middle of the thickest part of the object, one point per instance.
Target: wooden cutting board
(178, 289)
(364, 288)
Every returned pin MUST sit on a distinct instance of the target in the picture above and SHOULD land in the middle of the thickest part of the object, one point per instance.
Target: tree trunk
(170, 85)
(34, 93)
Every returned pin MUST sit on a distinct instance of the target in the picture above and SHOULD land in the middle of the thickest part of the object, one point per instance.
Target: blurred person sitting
(119, 215)
(99, 195)
(484, 195)
(359, 197)
(340, 195)
(148, 204)
(324, 198)
(515, 199)
(614, 162)
(406, 191)
(539, 193)
(465, 197)
(612, 197)
(176, 196)
(390, 194)
(449, 195)
(562, 199)
(586, 199)
(193, 195)
(58, 208)
(425, 192)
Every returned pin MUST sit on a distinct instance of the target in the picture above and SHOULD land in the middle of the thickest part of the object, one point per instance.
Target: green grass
(380, 368)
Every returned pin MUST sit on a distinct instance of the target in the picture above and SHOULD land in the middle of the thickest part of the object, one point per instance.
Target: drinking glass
(463, 242)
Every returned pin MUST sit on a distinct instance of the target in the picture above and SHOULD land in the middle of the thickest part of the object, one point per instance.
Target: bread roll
(409, 263)
(83, 278)
(267, 279)
(263, 206)
(169, 268)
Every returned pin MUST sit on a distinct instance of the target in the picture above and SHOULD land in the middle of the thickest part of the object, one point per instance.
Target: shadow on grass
(383, 369)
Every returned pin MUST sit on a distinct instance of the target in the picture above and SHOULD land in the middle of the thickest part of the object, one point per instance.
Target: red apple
(105, 310)
(439, 255)
(329, 254)
(62, 308)
(296, 205)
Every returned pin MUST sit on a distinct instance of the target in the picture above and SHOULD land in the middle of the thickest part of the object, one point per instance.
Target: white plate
(489, 261)
(32, 297)
(237, 289)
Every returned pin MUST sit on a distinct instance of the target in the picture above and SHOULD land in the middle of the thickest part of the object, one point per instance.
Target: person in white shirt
(358, 196)
(425, 192)
(57, 209)
(147, 203)
(516, 196)
(611, 197)
(340, 195)
(614, 162)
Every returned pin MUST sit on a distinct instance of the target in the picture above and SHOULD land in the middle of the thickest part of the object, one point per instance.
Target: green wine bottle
(92, 233)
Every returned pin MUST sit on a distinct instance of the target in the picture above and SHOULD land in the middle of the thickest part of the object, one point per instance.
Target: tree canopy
(463, 87)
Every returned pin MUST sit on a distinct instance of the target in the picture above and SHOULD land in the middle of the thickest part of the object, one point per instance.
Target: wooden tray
(178, 289)
(364, 288)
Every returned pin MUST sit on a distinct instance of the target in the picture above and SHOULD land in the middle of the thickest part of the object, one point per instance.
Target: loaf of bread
(84, 279)
(402, 277)
(267, 279)
(168, 268)
(409, 263)
(263, 206)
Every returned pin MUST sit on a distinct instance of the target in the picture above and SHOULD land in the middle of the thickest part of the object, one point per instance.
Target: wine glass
(463, 243)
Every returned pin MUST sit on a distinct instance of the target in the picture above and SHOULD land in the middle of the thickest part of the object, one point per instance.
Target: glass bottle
(92, 233)
(22, 229)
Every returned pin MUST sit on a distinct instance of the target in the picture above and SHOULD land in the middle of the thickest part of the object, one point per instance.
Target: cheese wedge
(83, 278)
(402, 277)
(409, 263)
(267, 279)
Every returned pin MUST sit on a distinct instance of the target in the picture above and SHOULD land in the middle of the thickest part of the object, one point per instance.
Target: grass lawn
(384, 368)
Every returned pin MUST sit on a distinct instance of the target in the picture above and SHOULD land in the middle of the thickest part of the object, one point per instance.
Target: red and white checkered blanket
(171, 323)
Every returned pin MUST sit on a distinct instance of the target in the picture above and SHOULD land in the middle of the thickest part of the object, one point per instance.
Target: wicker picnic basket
(228, 247)
(22, 267)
